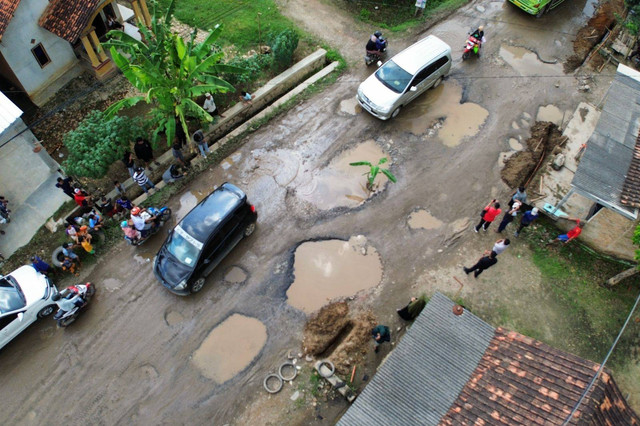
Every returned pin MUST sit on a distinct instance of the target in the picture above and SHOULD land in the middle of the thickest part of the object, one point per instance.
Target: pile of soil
(339, 336)
(519, 168)
(592, 33)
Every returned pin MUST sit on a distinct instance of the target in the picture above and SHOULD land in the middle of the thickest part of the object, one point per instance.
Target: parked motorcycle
(372, 56)
(472, 46)
(85, 291)
(162, 215)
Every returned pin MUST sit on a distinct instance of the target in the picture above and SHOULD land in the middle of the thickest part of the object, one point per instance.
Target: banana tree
(169, 72)
(374, 170)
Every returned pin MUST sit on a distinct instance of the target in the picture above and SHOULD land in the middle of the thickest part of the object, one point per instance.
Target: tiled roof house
(42, 42)
(458, 370)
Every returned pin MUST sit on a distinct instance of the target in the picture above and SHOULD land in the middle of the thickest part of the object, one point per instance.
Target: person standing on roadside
(509, 216)
(203, 146)
(489, 214)
(527, 219)
(380, 334)
(488, 259)
(129, 163)
(144, 152)
(141, 179)
(519, 195)
(177, 154)
(65, 185)
(210, 106)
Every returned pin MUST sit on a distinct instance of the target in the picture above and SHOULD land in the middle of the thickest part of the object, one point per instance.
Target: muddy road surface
(141, 355)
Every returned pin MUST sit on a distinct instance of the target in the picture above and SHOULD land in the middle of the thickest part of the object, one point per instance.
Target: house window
(41, 55)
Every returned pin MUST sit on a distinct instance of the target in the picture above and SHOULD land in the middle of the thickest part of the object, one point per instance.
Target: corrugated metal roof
(9, 112)
(412, 387)
(603, 168)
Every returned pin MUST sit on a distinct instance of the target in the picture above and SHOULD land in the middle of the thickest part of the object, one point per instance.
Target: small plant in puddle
(374, 170)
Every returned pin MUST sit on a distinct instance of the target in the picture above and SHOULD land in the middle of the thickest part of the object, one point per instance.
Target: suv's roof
(420, 53)
(207, 215)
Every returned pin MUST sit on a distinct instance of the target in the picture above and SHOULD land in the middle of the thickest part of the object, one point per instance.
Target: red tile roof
(67, 18)
(630, 195)
(520, 380)
(7, 8)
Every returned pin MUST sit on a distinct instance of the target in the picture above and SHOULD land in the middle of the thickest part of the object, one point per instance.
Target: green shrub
(364, 14)
(282, 47)
(253, 66)
(97, 143)
(633, 18)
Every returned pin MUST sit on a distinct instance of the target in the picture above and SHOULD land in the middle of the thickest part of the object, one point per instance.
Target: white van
(405, 76)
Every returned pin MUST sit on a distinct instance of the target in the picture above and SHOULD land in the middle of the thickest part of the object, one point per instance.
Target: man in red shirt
(490, 212)
(572, 234)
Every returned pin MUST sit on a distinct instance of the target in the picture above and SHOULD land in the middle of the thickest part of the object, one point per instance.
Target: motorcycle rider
(478, 34)
(142, 220)
(130, 232)
(67, 305)
(376, 43)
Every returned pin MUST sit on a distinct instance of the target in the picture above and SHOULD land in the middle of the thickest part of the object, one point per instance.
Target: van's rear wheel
(46, 311)
(249, 229)
(395, 112)
(437, 83)
(543, 11)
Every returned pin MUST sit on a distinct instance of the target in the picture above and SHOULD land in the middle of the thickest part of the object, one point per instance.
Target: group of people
(489, 214)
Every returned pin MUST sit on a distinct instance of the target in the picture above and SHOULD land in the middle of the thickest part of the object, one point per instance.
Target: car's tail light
(253, 208)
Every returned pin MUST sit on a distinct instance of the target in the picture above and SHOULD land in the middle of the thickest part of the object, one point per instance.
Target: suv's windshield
(184, 247)
(11, 297)
(394, 77)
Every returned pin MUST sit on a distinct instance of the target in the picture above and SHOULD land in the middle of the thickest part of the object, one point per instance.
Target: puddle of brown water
(525, 62)
(460, 120)
(230, 347)
(350, 106)
(342, 185)
(423, 219)
(550, 113)
(324, 270)
(235, 275)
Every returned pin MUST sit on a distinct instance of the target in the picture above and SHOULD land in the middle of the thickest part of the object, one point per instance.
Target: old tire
(46, 311)
(275, 389)
(248, 230)
(57, 257)
(285, 365)
(197, 285)
(395, 112)
(329, 365)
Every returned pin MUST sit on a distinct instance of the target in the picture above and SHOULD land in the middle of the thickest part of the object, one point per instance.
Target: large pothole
(329, 269)
(230, 347)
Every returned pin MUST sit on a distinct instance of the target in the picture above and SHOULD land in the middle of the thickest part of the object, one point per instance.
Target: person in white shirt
(501, 245)
(210, 105)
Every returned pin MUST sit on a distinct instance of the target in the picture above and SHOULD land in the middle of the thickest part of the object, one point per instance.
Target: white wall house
(46, 43)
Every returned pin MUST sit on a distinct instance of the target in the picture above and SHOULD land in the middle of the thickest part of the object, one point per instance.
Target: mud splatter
(325, 270)
(230, 347)
(422, 219)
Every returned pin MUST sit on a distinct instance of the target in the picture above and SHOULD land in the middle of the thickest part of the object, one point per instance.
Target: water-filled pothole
(173, 318)
(235, 275)
(350, 106)
(230, 347)
(515, 144)
(342, 185)
(423, 219)
(324, 270)
(550, 113)
(442, 104)
(526, 62)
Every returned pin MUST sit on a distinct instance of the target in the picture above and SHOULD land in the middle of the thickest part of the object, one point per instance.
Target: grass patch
(246, 23)
(396, 15)
(573, 276)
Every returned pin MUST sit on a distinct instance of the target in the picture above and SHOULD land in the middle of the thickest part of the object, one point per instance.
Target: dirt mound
(592, 33)
(336, 334)
(518, 169)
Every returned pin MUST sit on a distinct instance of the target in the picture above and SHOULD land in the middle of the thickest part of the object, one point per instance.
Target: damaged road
(141, 355)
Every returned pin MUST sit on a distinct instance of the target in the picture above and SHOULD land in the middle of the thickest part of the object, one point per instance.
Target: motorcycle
(162, 215)
(86, 291)
(372, 56)
(472, 46)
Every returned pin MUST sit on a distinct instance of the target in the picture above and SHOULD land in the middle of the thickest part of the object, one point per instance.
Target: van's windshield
(394, 77)
(184, 247)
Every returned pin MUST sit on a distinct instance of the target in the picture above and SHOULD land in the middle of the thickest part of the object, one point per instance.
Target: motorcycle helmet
(378, 34)
(124, 224)
(55, 297)
(135, 211)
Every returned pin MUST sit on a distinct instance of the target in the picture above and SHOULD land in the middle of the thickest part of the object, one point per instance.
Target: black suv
(203, 238)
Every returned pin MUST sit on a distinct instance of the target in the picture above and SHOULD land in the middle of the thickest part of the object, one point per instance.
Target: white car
(25, 296)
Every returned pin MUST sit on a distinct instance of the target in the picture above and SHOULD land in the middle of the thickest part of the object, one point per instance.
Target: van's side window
(419, 78)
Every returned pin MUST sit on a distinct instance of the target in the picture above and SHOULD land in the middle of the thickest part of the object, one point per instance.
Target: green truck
(536, 7)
